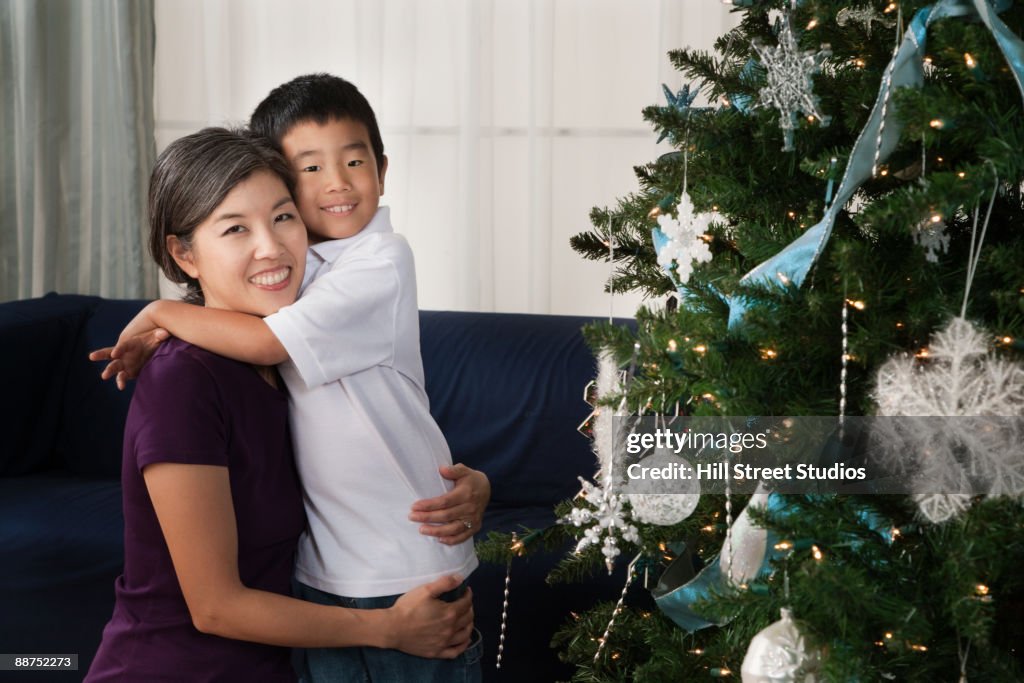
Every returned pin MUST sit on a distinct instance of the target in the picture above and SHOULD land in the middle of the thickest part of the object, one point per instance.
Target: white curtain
(504, 121)
(76, 125)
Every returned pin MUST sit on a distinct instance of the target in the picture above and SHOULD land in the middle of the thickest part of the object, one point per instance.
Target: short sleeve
(176, 413)
(344, 323)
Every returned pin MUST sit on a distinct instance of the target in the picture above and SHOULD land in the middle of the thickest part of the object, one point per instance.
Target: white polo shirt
(366, 446)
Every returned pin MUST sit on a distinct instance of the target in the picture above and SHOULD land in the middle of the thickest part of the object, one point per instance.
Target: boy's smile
(338, 183)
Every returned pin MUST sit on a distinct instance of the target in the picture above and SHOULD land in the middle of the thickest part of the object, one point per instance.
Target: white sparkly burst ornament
(790, 89)
(606, 520)
(780, 654)
(960, 378)
(685, 240)
(930, 234)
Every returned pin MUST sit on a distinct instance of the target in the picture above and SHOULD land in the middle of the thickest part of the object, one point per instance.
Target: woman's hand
(458, 514)
(428, 627)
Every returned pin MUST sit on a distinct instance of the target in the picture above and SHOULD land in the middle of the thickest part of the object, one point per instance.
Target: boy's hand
(428, 627)
(134, 347)
(458, 514)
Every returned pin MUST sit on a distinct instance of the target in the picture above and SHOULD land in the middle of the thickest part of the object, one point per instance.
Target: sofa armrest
(36, 341)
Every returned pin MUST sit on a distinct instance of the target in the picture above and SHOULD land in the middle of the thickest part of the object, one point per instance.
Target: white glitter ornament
(779, 654)
(686, 245)
(608, 383)
(960, 379)
(743, 555)
(789, 88)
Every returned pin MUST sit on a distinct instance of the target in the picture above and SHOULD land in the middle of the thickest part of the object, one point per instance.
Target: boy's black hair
(319, 98)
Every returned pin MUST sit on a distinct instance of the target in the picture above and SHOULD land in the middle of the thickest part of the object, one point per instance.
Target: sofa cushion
(94, 411)
(36, 337)
(63, 548)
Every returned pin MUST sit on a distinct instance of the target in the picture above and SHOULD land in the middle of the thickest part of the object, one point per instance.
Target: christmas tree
(840, 231)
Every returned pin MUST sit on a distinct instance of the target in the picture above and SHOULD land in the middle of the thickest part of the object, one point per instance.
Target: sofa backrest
(506, 390)
(91, 431)
(58, 414)
(36, 338)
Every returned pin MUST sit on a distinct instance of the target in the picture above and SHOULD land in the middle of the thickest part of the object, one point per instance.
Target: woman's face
(250, 253)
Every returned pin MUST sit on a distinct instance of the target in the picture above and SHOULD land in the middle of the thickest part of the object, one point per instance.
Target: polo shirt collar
(330, 250)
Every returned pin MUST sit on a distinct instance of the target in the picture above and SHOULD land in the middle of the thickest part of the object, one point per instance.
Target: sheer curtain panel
(76, 126)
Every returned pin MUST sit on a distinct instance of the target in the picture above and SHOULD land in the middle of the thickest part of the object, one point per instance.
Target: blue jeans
(374, 665)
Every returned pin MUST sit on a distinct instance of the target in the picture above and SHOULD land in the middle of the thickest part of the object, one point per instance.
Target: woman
(212, 504)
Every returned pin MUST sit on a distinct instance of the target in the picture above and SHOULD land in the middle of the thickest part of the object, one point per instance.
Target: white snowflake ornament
(959, 379)
(789, 88)
(684, 241)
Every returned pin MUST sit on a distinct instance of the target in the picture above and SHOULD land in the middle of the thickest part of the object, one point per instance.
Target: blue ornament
(678, 102)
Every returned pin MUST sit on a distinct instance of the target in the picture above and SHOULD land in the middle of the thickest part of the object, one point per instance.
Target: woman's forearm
(264, 617)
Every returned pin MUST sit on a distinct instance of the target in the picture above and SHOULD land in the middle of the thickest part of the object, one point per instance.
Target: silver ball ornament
(779, 654)
(666, 509)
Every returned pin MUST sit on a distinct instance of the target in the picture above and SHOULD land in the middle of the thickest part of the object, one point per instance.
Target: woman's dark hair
(191, 178)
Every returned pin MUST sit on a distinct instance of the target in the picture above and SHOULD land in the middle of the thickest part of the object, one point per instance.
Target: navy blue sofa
(506, 390)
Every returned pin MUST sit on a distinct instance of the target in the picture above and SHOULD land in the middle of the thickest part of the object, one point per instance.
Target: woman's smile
(273, 279)
(249, 255)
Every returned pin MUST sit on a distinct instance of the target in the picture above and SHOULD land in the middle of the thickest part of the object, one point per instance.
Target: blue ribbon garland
(791, 265)
(678, 603)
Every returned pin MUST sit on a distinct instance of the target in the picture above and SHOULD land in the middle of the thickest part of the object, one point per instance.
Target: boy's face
(338, 184)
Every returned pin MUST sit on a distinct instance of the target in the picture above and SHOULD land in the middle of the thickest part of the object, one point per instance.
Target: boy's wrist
(155, 310)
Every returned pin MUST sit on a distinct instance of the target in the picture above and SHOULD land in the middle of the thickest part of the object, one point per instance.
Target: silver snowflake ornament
(789, 88)
(864, 16)
(931, 235)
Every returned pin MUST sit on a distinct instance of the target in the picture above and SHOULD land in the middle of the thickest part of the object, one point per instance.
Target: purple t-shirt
(194, 407)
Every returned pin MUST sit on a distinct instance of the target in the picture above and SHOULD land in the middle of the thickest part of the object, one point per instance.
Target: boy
(366, 446)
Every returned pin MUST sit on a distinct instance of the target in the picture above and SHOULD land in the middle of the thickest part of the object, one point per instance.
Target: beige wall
(505, 120)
